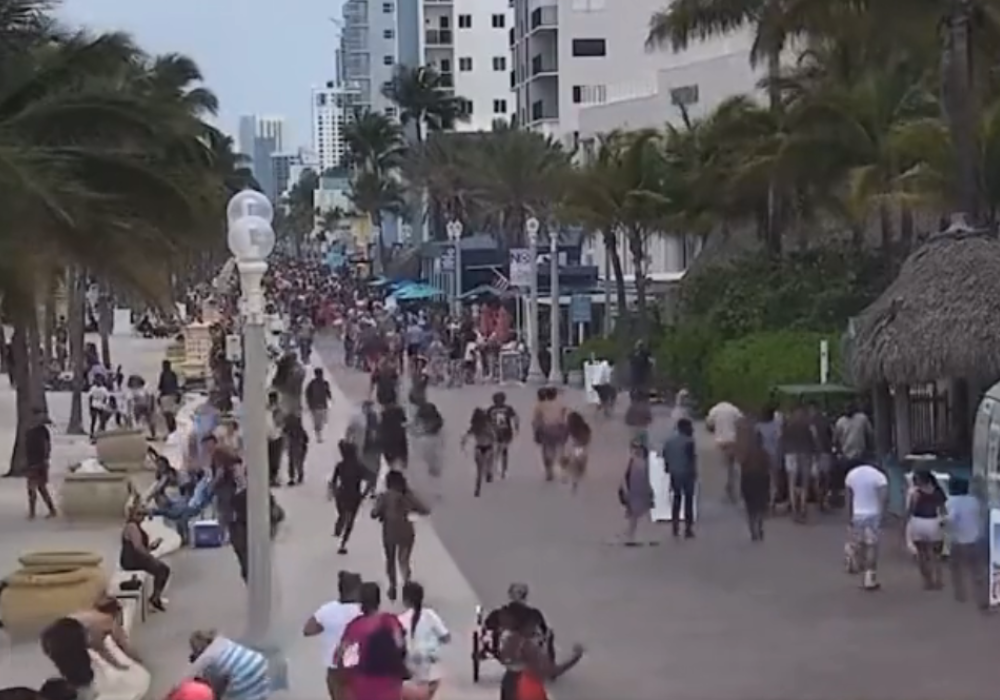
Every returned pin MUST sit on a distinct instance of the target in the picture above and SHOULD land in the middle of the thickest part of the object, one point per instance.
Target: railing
(540, 111)
(438, 37)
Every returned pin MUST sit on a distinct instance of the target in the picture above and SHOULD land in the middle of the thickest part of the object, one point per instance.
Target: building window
(588, 5)
(465, 21)
(499, 21)
(465, 107)
(465, 64)
(388, 60)
(321, 100)
(388, 34)
(684, 95)
(499, 106)
(390, 111)
(387, 85)
(500, 63)
(387, 8)
(589, 47)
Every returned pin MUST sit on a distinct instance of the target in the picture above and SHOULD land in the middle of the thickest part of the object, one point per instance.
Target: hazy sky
(259, 56)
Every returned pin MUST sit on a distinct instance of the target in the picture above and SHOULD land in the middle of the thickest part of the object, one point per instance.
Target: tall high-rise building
(466, 41)
(260, 138)
(332, 109)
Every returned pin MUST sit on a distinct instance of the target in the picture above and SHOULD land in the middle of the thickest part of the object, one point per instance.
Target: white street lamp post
(455, 236)
(555, 376)
(251, 241)
(534, 369)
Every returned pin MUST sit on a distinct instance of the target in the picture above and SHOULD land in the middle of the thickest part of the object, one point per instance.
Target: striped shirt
(244, 668)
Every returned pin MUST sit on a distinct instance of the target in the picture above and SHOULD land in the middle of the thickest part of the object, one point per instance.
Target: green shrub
(599, 346)
(683, 353)
(745, 370)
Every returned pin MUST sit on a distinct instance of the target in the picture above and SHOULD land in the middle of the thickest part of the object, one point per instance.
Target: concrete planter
(95, 496)
(68, 558)
(122, 450)
(35, 598)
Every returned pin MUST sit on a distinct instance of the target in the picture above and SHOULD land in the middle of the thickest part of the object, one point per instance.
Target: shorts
(798, 467)
(413, 350)
(822, 465)
(924, 530)
(865, 529)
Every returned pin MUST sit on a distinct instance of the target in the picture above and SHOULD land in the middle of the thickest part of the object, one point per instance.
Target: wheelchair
(486, 638)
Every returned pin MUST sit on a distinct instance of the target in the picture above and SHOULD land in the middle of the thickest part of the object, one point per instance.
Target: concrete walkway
(206, 590)
(24, 664)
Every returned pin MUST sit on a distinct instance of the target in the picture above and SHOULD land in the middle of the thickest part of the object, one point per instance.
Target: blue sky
(259, 56)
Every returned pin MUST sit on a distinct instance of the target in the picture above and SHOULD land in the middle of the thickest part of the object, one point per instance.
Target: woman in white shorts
(926, 508)
(425, 633)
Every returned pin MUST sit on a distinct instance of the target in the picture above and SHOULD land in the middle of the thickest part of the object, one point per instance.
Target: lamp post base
(535, 376)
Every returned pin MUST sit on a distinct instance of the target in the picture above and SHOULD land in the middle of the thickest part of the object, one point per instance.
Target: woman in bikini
(549, 423)
(483, 437)
(574, 459)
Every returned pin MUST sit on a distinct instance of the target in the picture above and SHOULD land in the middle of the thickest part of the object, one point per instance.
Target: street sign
(448, 259)
(520, 267)
(580, 308)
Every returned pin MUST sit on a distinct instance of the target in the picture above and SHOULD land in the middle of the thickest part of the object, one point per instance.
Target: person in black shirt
(169, 390)
(393, 438)
(641, 367)
(37, 449)
(384, 384)
(346, 488)
(506, 425)
(318, 402)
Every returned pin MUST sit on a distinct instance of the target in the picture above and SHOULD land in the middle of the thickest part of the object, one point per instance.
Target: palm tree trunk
(906, 229)
(48, 326)
(885, 228)
(78, 363)
(637, 246)
(959, 104)
(379, 241)
(611, 250)
(105, 322)
(21, 375)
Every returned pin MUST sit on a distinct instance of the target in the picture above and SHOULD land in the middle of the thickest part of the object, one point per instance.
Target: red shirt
(357, 634)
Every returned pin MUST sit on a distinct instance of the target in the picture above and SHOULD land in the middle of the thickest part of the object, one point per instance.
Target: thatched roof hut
(940, 318)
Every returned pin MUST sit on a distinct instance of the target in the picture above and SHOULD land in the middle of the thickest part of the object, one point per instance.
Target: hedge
(745, 371)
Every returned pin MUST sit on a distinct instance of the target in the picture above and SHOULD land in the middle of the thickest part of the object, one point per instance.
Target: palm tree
(441, 166)
(374, 142)
(97, 173)
(515, 175)
(375, 194)
(301, 216)
(423, 99)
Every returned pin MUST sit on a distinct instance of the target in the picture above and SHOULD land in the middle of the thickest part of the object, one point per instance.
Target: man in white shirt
(867, 495)
(722, 421)
(329, 623)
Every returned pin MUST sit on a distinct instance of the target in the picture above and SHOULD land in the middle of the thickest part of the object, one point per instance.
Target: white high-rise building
(468, 43)
(581, 67)
(332, 108)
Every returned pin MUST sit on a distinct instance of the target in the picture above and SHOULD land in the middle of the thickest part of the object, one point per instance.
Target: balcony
(447, 81)
(541, 112)
(542, 66)
(439, 37)
(546, 17)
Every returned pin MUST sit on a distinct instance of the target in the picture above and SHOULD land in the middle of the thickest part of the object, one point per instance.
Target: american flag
(499, 283)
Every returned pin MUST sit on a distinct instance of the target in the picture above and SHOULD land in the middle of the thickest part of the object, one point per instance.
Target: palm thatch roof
(940, 318)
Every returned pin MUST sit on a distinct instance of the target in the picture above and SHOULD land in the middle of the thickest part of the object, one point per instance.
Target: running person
(549, 424)
(574, 458)
(482, 434)
(506, 425)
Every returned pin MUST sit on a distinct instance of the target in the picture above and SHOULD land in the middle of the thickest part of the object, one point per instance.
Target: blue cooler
(206, 534)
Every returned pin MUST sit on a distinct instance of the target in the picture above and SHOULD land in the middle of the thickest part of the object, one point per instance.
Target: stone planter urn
(88, 562)
(35, 598)
(121, 450)
(101, 496)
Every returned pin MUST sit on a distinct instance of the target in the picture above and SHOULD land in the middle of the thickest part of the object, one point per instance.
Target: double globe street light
(251, 240)
(535, 375)
(454, 229)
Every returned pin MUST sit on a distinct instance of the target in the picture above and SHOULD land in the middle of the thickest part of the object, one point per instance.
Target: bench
(139, 594)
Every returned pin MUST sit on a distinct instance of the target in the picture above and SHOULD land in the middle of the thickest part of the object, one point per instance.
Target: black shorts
(412, 350)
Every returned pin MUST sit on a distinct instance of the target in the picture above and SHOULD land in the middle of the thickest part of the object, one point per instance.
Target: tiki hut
(938, 323)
